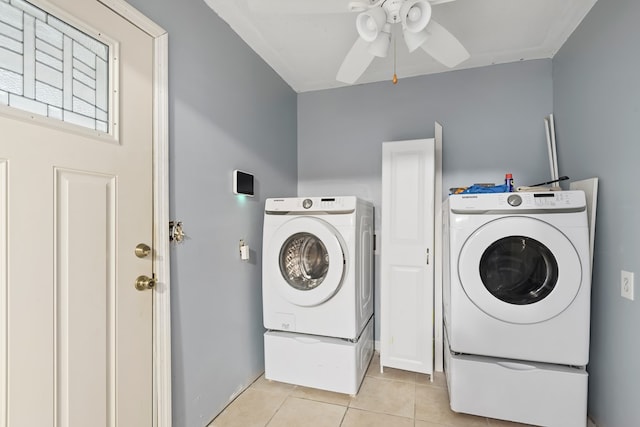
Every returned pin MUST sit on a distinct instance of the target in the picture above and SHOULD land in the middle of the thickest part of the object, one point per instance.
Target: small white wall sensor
(243, 183)
(244, 251)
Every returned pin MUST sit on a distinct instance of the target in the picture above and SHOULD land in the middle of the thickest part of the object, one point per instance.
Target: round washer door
(520, 270)
(306, 261)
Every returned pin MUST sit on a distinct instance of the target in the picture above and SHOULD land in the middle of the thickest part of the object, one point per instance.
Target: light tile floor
(394, 398)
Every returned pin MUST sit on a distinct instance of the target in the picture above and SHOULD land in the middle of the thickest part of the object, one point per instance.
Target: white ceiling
(307, 50)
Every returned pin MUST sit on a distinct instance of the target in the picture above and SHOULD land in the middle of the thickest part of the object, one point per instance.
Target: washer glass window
(304, 261)
(518, 270)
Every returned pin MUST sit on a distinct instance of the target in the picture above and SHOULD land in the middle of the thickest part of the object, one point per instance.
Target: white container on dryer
(519, 281)
(318, 265)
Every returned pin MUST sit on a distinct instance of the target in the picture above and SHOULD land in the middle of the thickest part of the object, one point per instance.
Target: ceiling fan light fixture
(415, 40)
(380, 46)
(415, 15)
(370, 23)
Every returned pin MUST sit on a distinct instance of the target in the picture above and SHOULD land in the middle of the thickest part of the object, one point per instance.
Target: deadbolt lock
(144, 282)
(142, 250)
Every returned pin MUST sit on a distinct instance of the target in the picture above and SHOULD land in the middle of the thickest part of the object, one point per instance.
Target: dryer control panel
(549, 201)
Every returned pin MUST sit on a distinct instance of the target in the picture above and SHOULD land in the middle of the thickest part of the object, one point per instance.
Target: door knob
(142, 250)
(144, 282)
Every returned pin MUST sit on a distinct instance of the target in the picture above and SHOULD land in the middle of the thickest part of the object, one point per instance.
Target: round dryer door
(520, 270)
(307, 261)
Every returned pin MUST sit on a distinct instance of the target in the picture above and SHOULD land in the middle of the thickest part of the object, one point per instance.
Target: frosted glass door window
(50, 68)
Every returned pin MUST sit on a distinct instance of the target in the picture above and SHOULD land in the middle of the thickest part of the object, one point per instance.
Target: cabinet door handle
(427, 256)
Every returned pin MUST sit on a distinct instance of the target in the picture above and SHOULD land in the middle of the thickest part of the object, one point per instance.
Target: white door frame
(161, 294)
(438, 344)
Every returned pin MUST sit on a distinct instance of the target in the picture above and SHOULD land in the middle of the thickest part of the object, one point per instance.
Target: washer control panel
(311, 204)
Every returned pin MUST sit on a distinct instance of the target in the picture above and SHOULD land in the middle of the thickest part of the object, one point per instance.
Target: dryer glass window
(304, 261)
(518, 270)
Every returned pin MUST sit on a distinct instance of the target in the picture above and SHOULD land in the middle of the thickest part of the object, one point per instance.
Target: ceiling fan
(374, 23)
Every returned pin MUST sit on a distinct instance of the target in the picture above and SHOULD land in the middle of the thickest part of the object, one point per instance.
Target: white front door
(75, 333)
(407, 258)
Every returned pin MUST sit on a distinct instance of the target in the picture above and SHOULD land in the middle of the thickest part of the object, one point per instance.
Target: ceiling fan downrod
(395, 76)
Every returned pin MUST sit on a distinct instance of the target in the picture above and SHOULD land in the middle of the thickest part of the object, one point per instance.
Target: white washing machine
(317, 291)
(519, 281)
(318, 265)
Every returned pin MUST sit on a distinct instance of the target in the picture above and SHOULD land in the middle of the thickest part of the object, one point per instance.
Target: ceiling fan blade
(443, 46)
(435, 2)
(298, 7)
(355, 63)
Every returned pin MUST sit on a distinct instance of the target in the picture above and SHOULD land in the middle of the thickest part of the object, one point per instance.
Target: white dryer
(519, 282)
(318, 265)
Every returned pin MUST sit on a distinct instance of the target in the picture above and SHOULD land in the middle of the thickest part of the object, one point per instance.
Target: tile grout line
(415, 400)
(344, 416)
(289, 394)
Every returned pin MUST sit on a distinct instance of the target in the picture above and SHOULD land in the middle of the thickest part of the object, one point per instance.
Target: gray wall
(228, 110)
(493, 121)
(597, 107)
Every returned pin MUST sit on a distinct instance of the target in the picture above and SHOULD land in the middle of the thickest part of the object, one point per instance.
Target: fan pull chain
(395, 77)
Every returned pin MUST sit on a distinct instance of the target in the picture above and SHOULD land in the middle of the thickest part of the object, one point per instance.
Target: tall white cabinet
(410, 170)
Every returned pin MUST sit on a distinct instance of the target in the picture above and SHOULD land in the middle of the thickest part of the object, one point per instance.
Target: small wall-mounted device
(244, 250)
(242, 183)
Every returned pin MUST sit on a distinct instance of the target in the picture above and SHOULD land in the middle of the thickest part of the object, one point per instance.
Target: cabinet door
(407, 255)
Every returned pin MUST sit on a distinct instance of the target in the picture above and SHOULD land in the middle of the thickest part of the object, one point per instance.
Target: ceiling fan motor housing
(413, 14)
